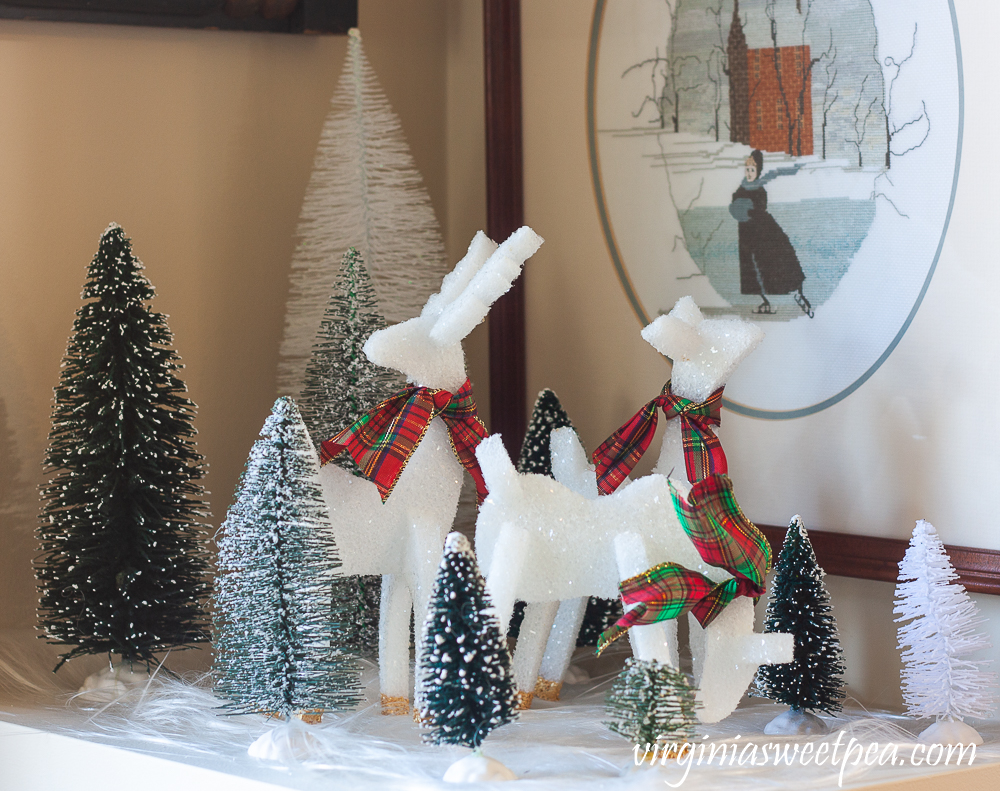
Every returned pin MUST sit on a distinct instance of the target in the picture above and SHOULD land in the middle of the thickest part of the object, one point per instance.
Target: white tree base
(289, 742)
(112, 682)
(950, 732)
(796, 723)
(478, 768)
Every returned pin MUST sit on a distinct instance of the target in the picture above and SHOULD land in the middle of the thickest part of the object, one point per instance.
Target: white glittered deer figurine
(412, 448)
(551, 544)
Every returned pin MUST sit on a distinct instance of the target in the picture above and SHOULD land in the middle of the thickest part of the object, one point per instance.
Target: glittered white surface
(553, 746)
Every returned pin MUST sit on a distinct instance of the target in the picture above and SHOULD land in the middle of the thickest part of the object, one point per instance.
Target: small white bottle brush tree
(939, 634)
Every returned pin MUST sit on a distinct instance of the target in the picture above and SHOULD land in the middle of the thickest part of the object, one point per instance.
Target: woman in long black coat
(768, 263)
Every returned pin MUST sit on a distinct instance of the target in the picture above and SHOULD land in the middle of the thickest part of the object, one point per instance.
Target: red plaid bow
(724, 538)
(703, 454)
(383, 440)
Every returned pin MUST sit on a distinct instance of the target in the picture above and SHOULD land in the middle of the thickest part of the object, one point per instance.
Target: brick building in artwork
(770, 94)
(780, 99)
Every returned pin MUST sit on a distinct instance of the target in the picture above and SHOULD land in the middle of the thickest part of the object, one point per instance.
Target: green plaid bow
(724, 538)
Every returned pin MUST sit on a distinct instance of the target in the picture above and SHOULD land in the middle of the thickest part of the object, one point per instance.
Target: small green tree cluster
(123, 566)
(278, 647)
(651, 703)
(799, 604)
(465, 687)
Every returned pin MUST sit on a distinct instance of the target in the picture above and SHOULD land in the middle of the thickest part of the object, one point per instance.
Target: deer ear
(491, 282)
(673, 337)
(455, 282)
(570, 465)
(501, 477)
(687, 310)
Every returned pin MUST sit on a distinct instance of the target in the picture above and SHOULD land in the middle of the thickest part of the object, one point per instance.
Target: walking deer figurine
(412, 449)
(554, 543)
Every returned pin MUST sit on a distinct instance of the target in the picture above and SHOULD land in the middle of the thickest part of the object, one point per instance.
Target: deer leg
(394, 645)
(501, 580)
(535, 628)
(656, 640)
(559, 648)
(427, 546)
(731, 652)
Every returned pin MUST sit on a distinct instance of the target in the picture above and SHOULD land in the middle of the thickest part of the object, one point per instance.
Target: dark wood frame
(309, 16)
(505, 214)
(842, 554)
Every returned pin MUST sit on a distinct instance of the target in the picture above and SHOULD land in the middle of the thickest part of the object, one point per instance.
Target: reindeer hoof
(547, 690)
(395, 704)
(524, 700)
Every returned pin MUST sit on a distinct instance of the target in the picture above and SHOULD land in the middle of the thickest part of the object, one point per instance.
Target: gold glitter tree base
(308, 716)
(547, 690)
(524, 700)
(395, 704)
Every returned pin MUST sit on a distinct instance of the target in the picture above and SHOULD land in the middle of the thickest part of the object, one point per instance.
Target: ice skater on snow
(768, 263)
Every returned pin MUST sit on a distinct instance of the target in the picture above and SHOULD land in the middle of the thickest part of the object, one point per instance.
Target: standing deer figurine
(552, 544)
(434, 430)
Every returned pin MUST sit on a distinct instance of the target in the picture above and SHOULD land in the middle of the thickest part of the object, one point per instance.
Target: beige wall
(200, 145)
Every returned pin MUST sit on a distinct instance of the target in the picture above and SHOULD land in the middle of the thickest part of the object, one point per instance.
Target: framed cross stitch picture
(790, 162)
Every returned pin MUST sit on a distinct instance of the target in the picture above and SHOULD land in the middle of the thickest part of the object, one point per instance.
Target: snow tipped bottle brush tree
(278, 646)
(652, 705)
(123, 566)
(937, 637)
(799, 604)
(465, 688)
(341, 385)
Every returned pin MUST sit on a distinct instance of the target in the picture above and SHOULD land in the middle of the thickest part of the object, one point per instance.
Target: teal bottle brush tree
(799, 604)
(278, 644)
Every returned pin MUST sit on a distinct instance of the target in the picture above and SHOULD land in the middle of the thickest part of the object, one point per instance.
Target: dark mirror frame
(274, 16)
(842, 554)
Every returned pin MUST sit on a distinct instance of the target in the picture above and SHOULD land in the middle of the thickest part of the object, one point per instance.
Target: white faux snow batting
(364, 192)
(553, 747)
(402, 538)
(939, 680)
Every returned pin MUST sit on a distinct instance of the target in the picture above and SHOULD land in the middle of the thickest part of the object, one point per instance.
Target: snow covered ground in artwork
(553, 746)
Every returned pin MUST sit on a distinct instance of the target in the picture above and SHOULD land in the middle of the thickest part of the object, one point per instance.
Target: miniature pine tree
(548, 415)
(651, 703)
(597, 618)
(277, 647)
(123, 566)
(938, 681)
(799, 604)
(364, 190)
(341, 385)
(465, 687)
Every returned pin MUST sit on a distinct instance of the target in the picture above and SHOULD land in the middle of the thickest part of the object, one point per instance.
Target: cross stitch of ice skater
(768, 263)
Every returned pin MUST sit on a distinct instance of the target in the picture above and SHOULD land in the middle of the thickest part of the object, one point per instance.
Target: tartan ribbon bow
(703, 454)
(724, 538)
(383, 439)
